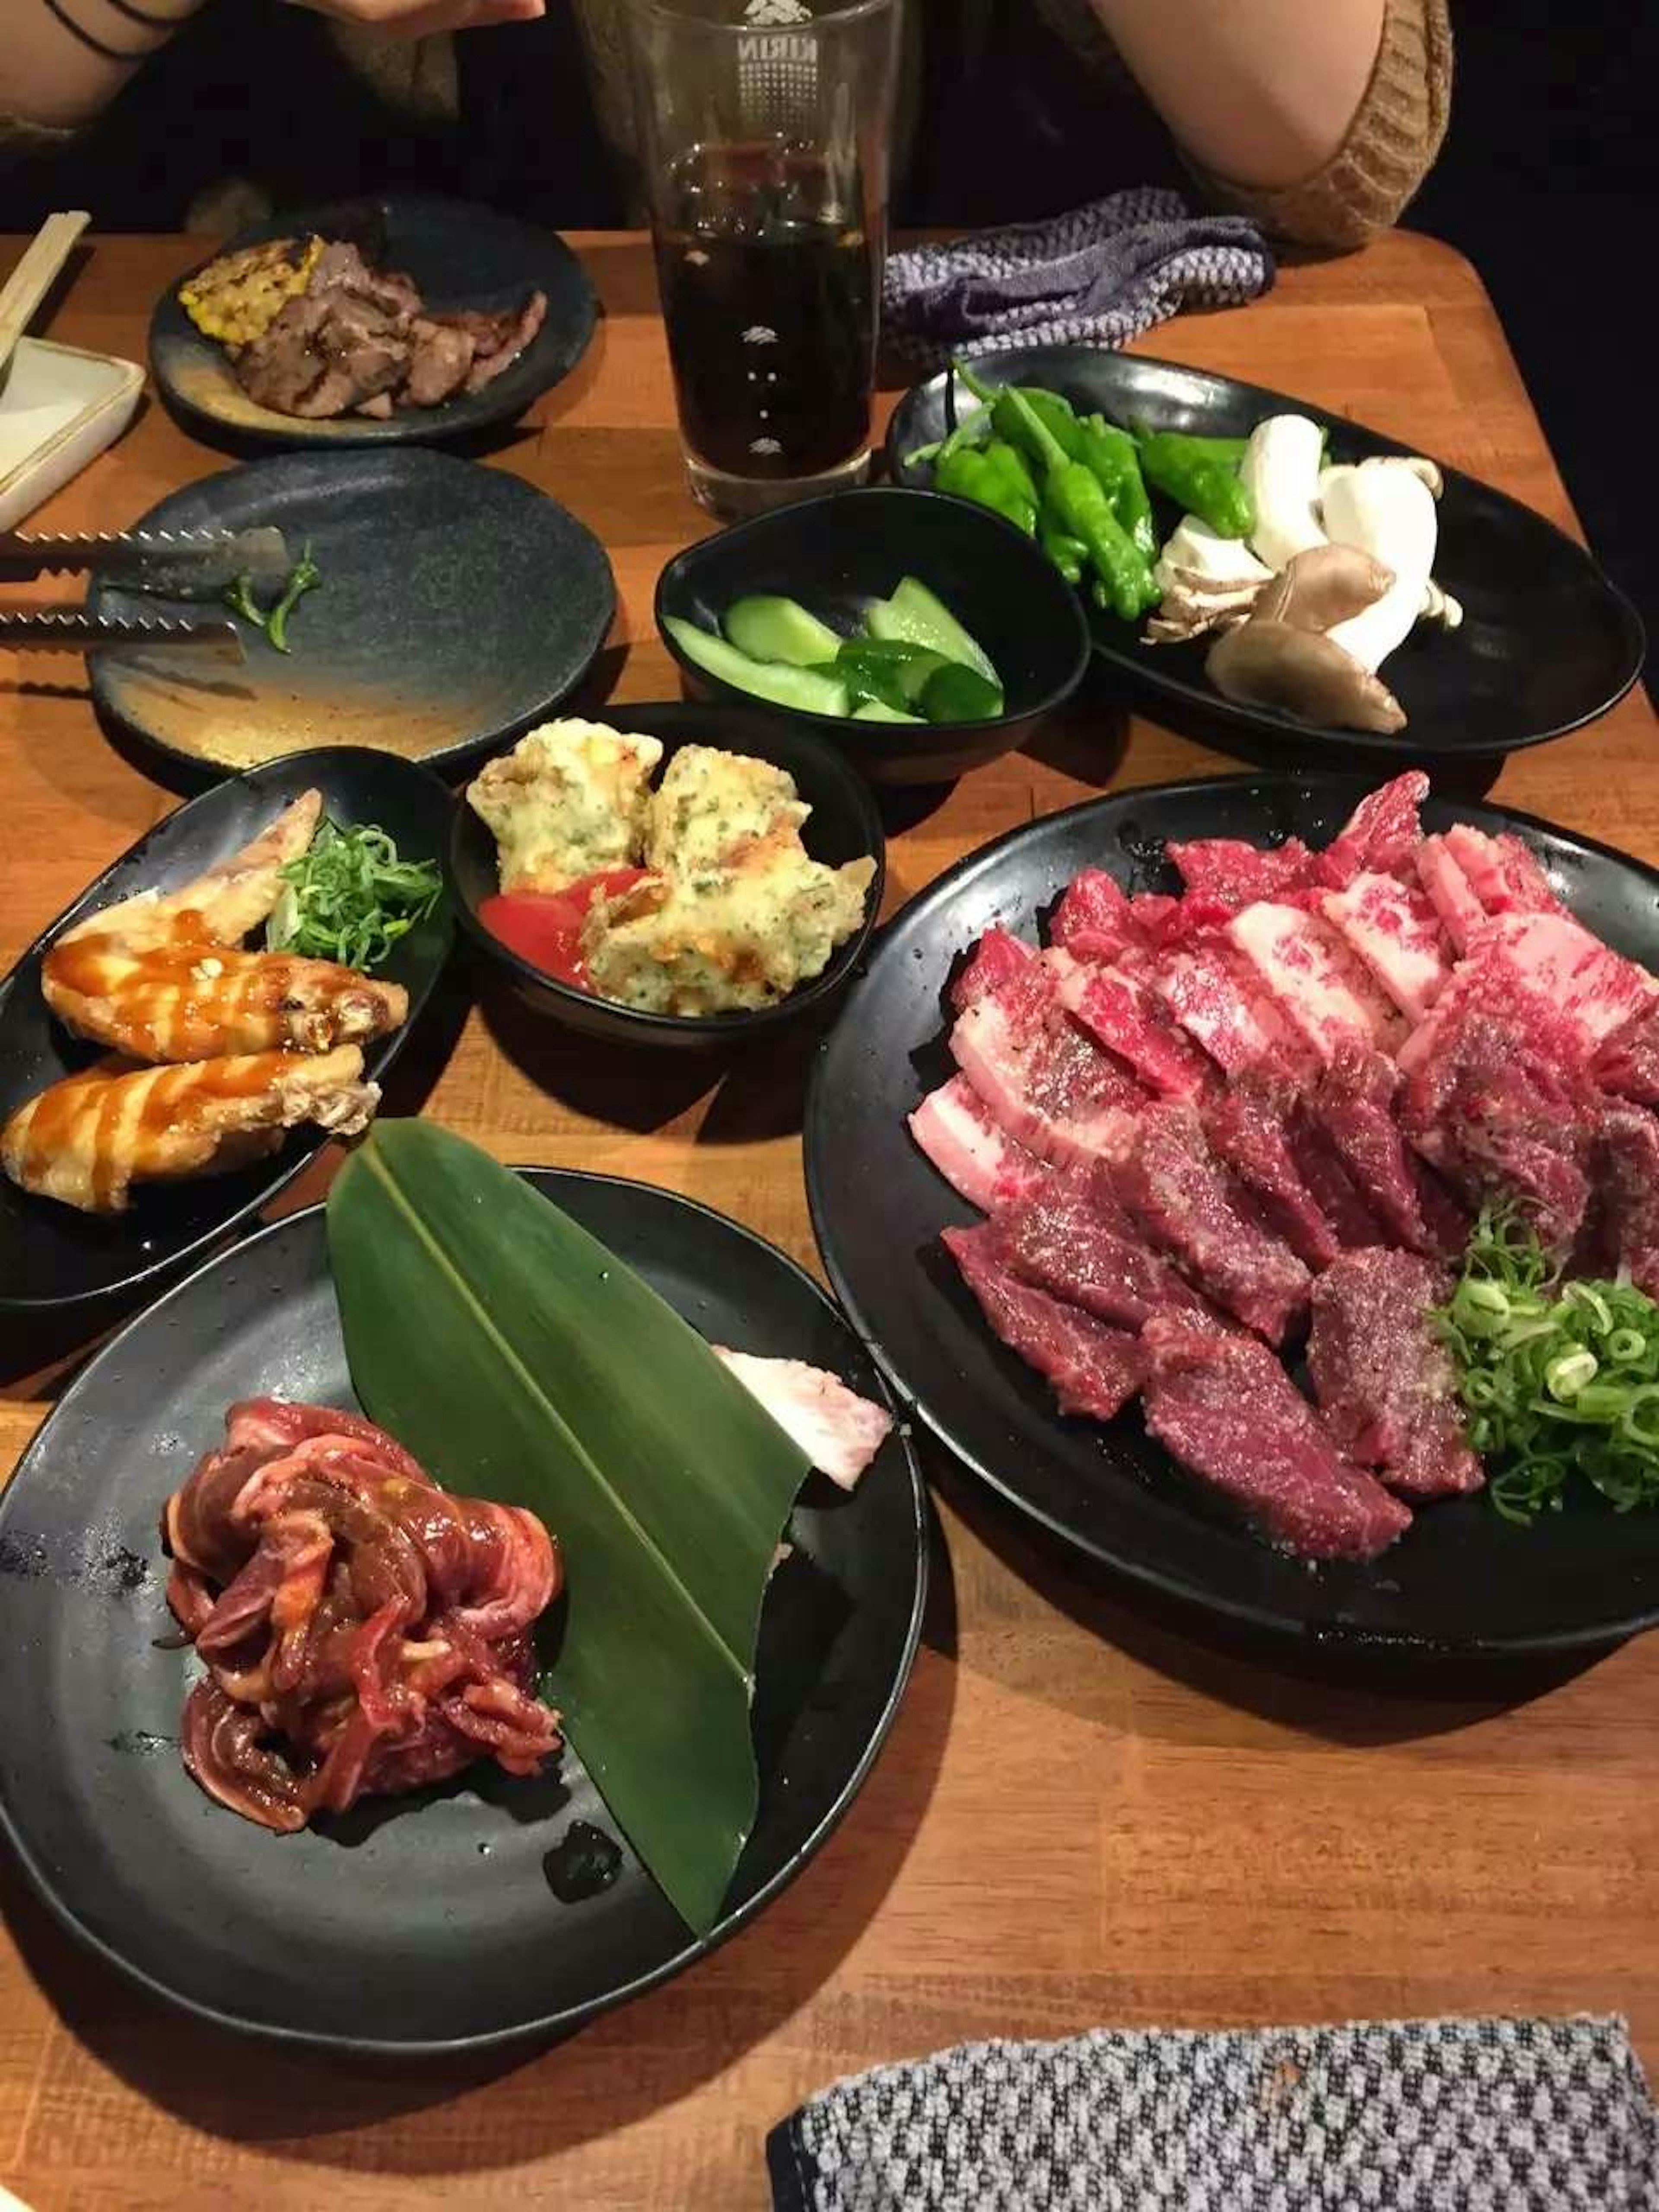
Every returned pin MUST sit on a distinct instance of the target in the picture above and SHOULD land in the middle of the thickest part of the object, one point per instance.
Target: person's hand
(420, 19)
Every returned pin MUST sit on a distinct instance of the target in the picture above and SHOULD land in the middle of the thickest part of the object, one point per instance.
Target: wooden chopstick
(31, 279)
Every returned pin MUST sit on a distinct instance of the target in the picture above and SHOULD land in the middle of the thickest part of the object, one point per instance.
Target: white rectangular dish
(58, 408)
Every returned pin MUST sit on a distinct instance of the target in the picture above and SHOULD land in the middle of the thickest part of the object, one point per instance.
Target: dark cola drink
(769, 282)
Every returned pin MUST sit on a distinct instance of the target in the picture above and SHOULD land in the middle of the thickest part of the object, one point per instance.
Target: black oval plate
(457, 605)
(1461, 1579)
(423, 1923)
(461, 255)
(52, 1257)
(1547, 642)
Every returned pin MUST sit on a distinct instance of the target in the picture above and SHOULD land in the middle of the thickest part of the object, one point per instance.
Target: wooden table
(1081, 1816)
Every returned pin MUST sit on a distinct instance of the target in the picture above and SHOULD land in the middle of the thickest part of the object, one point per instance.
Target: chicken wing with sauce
(161, 976)
(88, 1138)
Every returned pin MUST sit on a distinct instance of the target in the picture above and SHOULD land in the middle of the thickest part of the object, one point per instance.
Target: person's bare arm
(65, 60)
(1260, 92)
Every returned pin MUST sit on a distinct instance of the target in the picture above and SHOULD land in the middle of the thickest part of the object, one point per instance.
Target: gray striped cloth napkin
(1397, 2116)
(1097, 276)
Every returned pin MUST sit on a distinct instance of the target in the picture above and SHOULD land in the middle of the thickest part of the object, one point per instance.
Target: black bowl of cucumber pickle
(922, 635)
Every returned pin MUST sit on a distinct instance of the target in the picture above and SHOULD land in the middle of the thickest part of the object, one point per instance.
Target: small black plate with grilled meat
(1546, 642)
(1461, 1579)
(54, 1260)
(460, 256)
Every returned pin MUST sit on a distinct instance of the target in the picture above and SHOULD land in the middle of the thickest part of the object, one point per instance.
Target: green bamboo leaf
(519, 1360)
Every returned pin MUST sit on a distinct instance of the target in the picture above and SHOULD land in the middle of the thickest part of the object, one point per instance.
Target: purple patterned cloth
(1097, 276)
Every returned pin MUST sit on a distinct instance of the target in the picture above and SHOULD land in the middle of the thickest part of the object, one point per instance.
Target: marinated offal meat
(364, 1631)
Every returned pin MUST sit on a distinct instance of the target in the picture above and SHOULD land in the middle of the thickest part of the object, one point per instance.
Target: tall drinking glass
(764, 128)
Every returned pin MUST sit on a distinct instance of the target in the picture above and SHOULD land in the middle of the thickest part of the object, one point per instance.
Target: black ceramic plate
(1546, 641)
(1462, 1578)
(844, 826)
(52, 1257)
(461, 255)
(424, 1923)
(458, 605)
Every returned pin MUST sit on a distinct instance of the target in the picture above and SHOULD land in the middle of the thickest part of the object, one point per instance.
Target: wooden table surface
(1084, 1815)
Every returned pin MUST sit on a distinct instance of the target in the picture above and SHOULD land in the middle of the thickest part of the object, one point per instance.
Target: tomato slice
(545, 927)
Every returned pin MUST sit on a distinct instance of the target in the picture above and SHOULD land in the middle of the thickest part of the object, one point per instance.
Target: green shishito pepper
(1115, 459)
(1205, 482)
(1082, 508)
(1068, 554)
(993, 476)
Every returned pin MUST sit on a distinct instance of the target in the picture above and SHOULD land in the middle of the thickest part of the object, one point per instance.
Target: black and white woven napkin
(1097, 276)
(1401, 2116)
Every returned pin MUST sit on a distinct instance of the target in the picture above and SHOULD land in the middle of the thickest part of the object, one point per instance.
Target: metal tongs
(168, 564)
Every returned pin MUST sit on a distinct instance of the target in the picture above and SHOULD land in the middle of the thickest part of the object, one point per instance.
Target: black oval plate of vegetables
(1115, 454)
(53, 1258)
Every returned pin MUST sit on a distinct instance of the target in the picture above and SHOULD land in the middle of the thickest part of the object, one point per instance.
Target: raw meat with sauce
(1385, 1385)
(838, 1431)
(1043, 1080)
(999, 957)
(1226, 1410)
(1177, 1191)
(364, 1632)
(1095, 1369)
(1223, 1008)
(1625, 1167)
(975, 1154)
(1627, 1062)
(1093, 920)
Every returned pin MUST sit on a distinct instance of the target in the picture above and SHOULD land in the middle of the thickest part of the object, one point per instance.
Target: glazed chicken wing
(89, 1138)
(161, 976)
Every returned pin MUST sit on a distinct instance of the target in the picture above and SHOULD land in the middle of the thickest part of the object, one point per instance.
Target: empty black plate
(426, 1923)
(52, 1257)
(460, 254)
(457, 605)
(1462, 1578)
(1546, 642)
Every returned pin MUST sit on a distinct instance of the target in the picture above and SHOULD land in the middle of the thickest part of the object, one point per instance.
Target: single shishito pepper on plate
(1115, 459)
(1204, 481)
(1082, 508)
(993, 476)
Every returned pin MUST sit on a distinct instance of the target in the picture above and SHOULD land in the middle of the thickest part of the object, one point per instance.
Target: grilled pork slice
(1385, 1384)
(1094, 1369)
(1225, 1408)
(88, 1138)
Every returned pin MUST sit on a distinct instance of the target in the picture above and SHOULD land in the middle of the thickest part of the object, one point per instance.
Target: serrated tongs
(168, 564)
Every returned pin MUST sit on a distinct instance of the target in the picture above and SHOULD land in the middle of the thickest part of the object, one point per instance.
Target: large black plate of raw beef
(1462, 1578)
(459, 1915)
